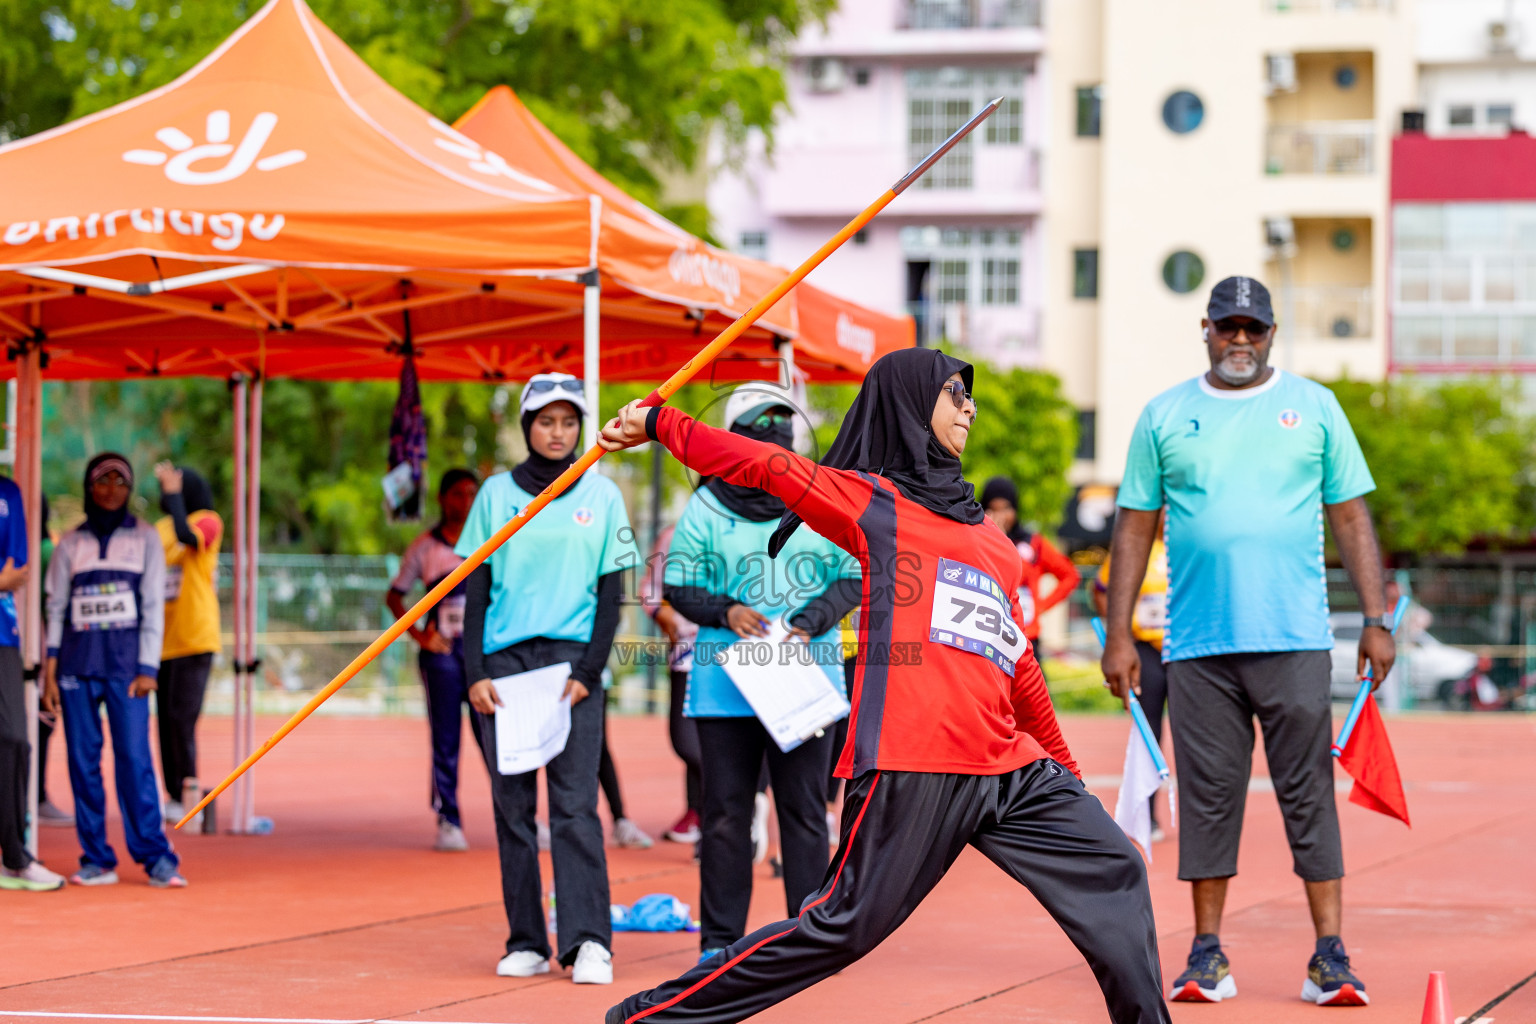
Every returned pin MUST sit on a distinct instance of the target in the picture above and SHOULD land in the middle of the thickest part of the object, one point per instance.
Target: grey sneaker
(94, 874)
(50, 816)
(450, 838)
(164, 875)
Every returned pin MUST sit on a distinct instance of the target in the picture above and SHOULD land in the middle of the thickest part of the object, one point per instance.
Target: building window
(939, 14)
(992, 258)
(941, 100)
(1182, 112)
(1087, 428)
(1461, 116)
(1085, 273)
(861, 76)
(861, 236)
(754, 244)
(950, 288)
(1089, 107)
(1500, 115)
(1183, 271)
(999, 282)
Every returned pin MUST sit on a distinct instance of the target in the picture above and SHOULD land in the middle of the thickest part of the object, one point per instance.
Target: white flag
(1138, 782)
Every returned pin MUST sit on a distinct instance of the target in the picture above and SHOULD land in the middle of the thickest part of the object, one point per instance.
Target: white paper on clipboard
(792, 699)
(533, 722)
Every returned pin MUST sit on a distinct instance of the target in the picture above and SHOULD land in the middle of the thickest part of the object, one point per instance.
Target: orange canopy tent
(280, 210)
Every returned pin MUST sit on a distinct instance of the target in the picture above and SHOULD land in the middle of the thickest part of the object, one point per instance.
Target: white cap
(748, 400)
(544, 388)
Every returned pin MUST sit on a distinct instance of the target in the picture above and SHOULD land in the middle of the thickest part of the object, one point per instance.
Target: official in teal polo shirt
(1249, 462)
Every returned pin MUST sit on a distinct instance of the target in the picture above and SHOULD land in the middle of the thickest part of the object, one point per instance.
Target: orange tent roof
(316, 223)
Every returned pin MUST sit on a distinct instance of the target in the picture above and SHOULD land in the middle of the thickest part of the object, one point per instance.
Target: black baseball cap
(1241, 296)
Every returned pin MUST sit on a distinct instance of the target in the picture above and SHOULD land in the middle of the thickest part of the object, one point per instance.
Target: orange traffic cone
(1437, 1001)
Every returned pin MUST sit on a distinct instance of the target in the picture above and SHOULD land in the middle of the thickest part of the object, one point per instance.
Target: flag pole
(684, 374)
(1364, 693)
(1138, 715)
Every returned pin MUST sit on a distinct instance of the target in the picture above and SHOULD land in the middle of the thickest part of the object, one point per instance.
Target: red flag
(1368, 757)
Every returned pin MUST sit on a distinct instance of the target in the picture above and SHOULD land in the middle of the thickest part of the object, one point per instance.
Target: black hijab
(196, 495)
(102, 522)
(1002, 487)
(752, 503)
(887, 432)
(537, 472)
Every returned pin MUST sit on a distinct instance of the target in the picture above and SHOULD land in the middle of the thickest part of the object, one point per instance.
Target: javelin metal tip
(945, 147)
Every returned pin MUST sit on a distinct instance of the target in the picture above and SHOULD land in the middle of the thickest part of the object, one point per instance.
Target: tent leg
(592, 296)
(237, 791)
(26, 444)
(252, 594)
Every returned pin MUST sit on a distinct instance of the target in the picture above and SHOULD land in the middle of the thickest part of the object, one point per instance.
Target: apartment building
(1463, 261)
(872, 92)
(1201, 138)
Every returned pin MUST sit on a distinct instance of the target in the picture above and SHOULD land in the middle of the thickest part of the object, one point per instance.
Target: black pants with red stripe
(900, 833)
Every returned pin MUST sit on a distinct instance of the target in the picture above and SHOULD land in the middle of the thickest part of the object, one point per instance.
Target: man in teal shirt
(1247, 460)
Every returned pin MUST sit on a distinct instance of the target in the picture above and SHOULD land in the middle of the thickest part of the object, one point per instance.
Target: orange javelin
(684, 374)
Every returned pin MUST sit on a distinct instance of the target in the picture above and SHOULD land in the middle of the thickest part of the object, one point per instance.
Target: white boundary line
(55, 1014)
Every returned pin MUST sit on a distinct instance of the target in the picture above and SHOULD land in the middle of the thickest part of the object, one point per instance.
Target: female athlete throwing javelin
(952, 740)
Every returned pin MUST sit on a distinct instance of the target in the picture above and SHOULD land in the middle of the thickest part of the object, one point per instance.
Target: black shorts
(1212, 703)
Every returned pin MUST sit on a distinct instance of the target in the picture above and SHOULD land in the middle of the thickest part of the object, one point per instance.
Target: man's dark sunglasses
(1226, 330)
(960, 396)
(539, 386)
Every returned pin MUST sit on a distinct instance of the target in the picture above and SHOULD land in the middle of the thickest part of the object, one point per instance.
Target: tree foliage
(1453, 462)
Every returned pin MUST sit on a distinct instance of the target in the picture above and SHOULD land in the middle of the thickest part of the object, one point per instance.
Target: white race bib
(103, 606)
(450, 617)
(172, 582)
(1027, 605)
(970, 611)
(1152, 611)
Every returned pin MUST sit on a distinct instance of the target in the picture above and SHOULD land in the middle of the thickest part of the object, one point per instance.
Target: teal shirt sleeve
(1345, 474)
(690, 560)
(477, 527)
(1141, 488)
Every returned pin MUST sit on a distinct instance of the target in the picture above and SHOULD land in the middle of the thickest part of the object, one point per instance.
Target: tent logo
(700, 269)
(851, 336)
(216, 145)
(482, 160)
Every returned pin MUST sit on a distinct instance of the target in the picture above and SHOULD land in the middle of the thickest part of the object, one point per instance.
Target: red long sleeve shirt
(919, 703)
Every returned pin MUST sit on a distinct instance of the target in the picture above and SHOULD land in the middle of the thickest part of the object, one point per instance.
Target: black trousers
(900, 833)
(15, 761)
(685, 741)
(575, 834)
(178, 704)
(732, 751)
(1154, 696)
(607, 774)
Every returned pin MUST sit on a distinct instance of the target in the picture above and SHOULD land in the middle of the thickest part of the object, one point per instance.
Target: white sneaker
(172, 812)
(594, 965)
(524, 963)
(32, 878)
(450, 838)
(543, 834)
(627, 834)
(760, 828)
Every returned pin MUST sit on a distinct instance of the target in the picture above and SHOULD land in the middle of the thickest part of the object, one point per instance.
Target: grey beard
(1234, 378)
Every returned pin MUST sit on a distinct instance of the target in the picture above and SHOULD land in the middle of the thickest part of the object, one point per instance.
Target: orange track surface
(346, 913)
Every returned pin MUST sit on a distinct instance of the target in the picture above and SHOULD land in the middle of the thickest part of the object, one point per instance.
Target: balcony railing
(1321, 147)
(945, 14)
(1328, 312)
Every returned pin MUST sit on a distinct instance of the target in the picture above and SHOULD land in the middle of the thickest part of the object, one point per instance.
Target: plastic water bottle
(552, 920)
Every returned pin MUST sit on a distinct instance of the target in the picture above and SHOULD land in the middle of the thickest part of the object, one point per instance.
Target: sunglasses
(960, 396)
(771, 418)
(540, 386)
(1226, 330)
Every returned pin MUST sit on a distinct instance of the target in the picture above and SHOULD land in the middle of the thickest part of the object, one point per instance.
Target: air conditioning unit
(826, 74)
(1280, 235)
(1279, 73)
(1501, 37)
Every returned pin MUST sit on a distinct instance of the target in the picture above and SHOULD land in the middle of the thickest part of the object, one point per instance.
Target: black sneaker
(1329, 979)
(1208, 979)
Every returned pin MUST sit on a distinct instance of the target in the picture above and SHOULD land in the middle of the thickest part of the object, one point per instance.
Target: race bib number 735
(970, 611)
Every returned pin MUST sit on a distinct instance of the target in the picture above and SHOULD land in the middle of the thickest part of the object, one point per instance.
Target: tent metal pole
(592, 304)
(26, 448)
(252, 590)
(236, 822)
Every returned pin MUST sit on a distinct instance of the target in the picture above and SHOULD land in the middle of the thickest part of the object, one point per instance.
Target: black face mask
(751, 503)
(537, 472)
(887, 431)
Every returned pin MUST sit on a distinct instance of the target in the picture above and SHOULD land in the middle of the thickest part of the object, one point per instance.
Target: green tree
(634, 86)
(1453, 461)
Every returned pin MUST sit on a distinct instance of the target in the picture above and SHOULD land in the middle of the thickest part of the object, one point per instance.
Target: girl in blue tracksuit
(719, 574)
(106, 620)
